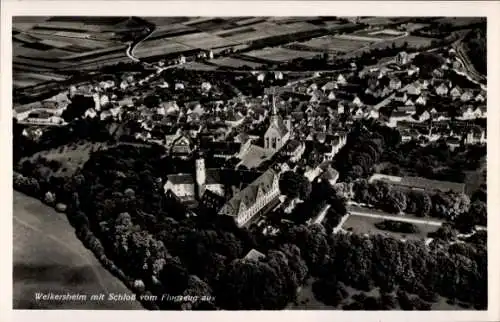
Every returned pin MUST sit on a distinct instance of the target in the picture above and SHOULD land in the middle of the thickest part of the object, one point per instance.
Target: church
(278, 132)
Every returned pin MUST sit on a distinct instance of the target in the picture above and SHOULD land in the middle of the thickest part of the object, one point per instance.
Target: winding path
(133, 44)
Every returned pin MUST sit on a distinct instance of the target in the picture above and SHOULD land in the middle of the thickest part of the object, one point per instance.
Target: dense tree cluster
(475, 46)
(266, 284)
(455, 271)
(445, 205)
(397, 226)
(365, 145)
(428, 62)
(434, 161)
(295, 185)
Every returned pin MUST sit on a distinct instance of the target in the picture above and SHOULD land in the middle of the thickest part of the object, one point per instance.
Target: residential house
(331, 143)
(371, 113)
(330, 175)
(90, 113)
(357, 112)
(294, 149)
(395, 83)
(386, 92)
(453, 143)
(480, 111)
(409, 102)
(340, 108)
(413, 70)
(312, 88)
(407, 108)
(182, 146)
(357, 101)
(234, 119)
(421, 100)
(442, 90)
(466, 96)
(182, 185)
(467, 113)
(400, 97)
(475, 136)
(456, 92)
(124, 85)
(206, 86)
(330, 86)
(397, 116)
(414, 89)
(424, 116)
(438, 73)
(402, 58)
(341, 80)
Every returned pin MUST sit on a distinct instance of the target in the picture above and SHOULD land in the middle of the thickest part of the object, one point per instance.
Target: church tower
(274, 118)
(200, 176)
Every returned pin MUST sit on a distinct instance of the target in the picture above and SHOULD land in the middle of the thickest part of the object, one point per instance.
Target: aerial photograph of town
(249, 163)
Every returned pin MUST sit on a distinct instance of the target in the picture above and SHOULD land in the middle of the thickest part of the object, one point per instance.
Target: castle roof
(248, 196)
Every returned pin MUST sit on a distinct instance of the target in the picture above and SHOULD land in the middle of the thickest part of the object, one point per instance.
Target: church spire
(274, 111)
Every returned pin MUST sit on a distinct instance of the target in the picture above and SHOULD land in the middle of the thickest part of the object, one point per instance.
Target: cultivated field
(52, 44)
(48, 257)
(198, 66)
(336, 44)
(460, 21)
(384, 34)
(277, 54)
(234, 62)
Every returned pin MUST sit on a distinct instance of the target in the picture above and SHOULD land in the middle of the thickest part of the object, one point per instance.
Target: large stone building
(253, 200)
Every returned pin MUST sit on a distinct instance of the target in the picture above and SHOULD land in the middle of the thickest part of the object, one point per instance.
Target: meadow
(48, 257)
(366, 225)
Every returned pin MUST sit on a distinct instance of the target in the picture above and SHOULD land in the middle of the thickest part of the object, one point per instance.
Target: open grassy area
(365, 225)
(71, 157)
(48, 257)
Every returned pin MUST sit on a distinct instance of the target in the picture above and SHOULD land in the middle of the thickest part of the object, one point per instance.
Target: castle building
(255, 199)
(278, 133)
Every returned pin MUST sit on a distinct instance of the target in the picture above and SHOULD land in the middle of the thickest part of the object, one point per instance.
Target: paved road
(133, 45)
